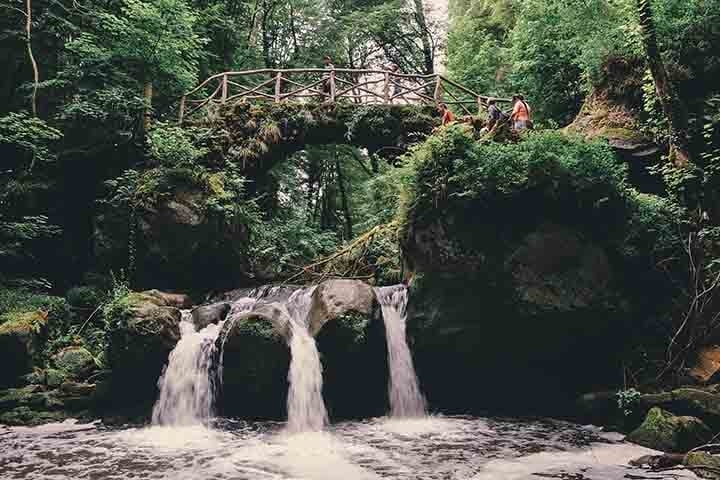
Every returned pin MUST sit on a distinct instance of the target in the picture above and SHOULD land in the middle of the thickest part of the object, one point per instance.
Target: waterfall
(406, 400)
(187, 385)
(305, 404)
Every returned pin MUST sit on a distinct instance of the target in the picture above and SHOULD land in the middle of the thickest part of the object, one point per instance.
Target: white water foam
(305, 404)
(186, 385)
(406, 399)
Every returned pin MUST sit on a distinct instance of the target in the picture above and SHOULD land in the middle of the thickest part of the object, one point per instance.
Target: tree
(672, 106)
(146, 43)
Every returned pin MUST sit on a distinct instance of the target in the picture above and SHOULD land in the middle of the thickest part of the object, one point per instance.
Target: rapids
(429, 448)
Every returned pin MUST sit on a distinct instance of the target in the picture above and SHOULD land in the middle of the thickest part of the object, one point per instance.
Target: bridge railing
(359, 86)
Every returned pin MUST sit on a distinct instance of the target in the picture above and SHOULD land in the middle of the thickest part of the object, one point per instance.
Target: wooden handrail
(331, 85)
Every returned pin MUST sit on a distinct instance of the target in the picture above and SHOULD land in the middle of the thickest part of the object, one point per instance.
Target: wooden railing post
(480, 105)
(386, 88)
(278, 86)
(182, 110)
(332, 86)
(438, 89)
(224, 94)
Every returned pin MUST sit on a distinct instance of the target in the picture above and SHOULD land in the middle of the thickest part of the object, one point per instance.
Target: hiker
(447, 116)
(495, 115)
(521, 113)
(327, 61)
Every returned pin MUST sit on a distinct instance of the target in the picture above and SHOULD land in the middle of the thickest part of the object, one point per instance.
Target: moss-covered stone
(30, 417)
(255, 361)
(664, 431)
(527, 260)
(703, 464)
(696, 402)
(75, 362)
(142, 333)
(21, 336)
(346, 320)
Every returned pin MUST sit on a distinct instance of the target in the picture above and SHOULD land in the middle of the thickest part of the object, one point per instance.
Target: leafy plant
(628, 400)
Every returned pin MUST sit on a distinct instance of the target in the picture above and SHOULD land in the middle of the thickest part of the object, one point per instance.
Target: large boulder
(666, 432)
(346, 320)
(703, 464)
(142, 333)
(529, 267)
(701, 403)
(75, 362)
(254, 359)
(179, 241)
(21, 336)
(205, 315)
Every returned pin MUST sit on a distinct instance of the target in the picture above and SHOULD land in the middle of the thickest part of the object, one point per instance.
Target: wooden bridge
(357, 86)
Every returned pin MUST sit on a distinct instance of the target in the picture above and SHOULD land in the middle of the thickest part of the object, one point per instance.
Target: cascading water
(406, 399)
(305, 404)
(187, 384)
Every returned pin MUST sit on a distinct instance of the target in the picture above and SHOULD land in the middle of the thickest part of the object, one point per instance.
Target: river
(432, 448)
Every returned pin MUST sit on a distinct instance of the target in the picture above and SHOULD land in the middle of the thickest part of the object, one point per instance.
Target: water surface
(433, 448)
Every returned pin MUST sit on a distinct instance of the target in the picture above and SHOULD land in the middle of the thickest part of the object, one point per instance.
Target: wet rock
(664, 431)
(334, 298)
(255, 359)
(27, 416)
(209, 314)
(346, 320)
(703, 464)
(666, 460)
(140, 340)
(177, 300)
(77, 389)
(695, 402)
(21, 336)
(75, 362)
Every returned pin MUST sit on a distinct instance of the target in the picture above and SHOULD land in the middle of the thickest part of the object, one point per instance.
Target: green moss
(626, 134)
(662, 430)
(30, 417)
(22, 323)
(75, 362)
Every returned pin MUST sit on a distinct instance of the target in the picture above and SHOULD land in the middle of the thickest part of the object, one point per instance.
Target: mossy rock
(142, 334)
(703, 465)
(666, 432)
(75, 362)
(255, 360)
(30, 417)
(345, 318)
(54, 377)
(21, 337)
(695, 402)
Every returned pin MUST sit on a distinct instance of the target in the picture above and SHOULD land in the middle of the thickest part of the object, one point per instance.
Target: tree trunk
(344, 200)
(672, 106)
(147, 114)
(428, 56)
(28, 41)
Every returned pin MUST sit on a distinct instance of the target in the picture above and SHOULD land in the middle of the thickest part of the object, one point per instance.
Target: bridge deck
(358, 86)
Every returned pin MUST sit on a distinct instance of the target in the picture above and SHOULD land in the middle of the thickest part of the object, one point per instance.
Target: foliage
(582, 180)
(553, 51)
(25, 141)
(117, 307)
(156, 39)
(628, 400)
(173, 146)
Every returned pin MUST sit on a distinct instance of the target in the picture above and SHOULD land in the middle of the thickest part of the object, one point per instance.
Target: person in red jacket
(447, 115)
(521, 113)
